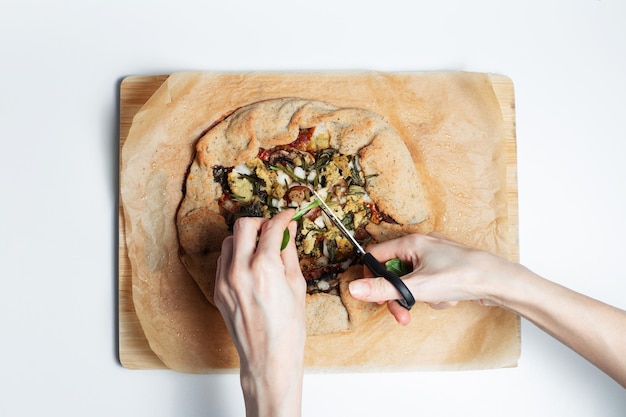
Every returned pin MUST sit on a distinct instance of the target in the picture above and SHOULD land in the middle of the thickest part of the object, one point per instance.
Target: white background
(60, 68)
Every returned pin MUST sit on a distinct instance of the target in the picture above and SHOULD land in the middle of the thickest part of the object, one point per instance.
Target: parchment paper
(453, 127)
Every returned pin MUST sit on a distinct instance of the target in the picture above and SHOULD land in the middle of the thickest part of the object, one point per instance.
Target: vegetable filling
(284, 177)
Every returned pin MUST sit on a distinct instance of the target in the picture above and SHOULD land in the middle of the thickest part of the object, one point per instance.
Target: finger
(225, 259)
(290, 255)
(245, 233)
(223, 267)
(401, 314)
(443, 305)
(373, 290)
(380, 290)
(439, 236)
(404, 248)
(272, 233)
(385, 250)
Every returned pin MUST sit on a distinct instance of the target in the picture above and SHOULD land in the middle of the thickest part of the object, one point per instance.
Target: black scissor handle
(407, 301)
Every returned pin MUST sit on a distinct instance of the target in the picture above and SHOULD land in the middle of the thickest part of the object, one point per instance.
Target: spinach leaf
(397, 266)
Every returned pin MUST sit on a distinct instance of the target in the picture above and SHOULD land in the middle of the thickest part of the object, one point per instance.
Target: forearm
(595, 330)
(445, 272)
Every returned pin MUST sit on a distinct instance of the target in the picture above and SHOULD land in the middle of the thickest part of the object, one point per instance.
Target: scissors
(407, 301)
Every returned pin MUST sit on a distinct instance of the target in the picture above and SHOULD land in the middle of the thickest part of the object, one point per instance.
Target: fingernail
(359, 289)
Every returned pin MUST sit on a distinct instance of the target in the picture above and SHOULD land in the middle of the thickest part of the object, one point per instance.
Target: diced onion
(299, 172)
(283, 178)
(242, 169)
(322, 192)
(278, 203)
(319, 222)
(323, 285)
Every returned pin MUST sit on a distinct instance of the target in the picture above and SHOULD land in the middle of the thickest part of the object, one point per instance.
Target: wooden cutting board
(134, 351)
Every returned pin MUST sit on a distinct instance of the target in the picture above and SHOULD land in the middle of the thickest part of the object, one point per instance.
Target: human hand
(261, 292)
(444, 272)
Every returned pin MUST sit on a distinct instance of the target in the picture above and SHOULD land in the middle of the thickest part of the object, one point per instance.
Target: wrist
(509, 285)
(273, 390)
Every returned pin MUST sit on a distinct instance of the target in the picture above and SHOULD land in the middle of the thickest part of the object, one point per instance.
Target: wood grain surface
(134, 350)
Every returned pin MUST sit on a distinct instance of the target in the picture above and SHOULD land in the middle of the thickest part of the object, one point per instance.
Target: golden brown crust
(359, 312)
(384, 231)
(394, 183)
(384, 158)
(325, 314)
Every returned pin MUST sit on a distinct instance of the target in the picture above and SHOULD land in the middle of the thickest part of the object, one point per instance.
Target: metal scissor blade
(407, 301)
(333, 218)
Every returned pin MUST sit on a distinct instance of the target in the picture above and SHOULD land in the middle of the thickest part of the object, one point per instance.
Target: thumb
(373, 290)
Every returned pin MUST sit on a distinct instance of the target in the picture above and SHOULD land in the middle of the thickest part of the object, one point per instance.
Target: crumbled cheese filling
(284, 177)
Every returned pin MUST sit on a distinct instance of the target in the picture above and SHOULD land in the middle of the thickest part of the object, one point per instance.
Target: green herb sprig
(297, 217)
